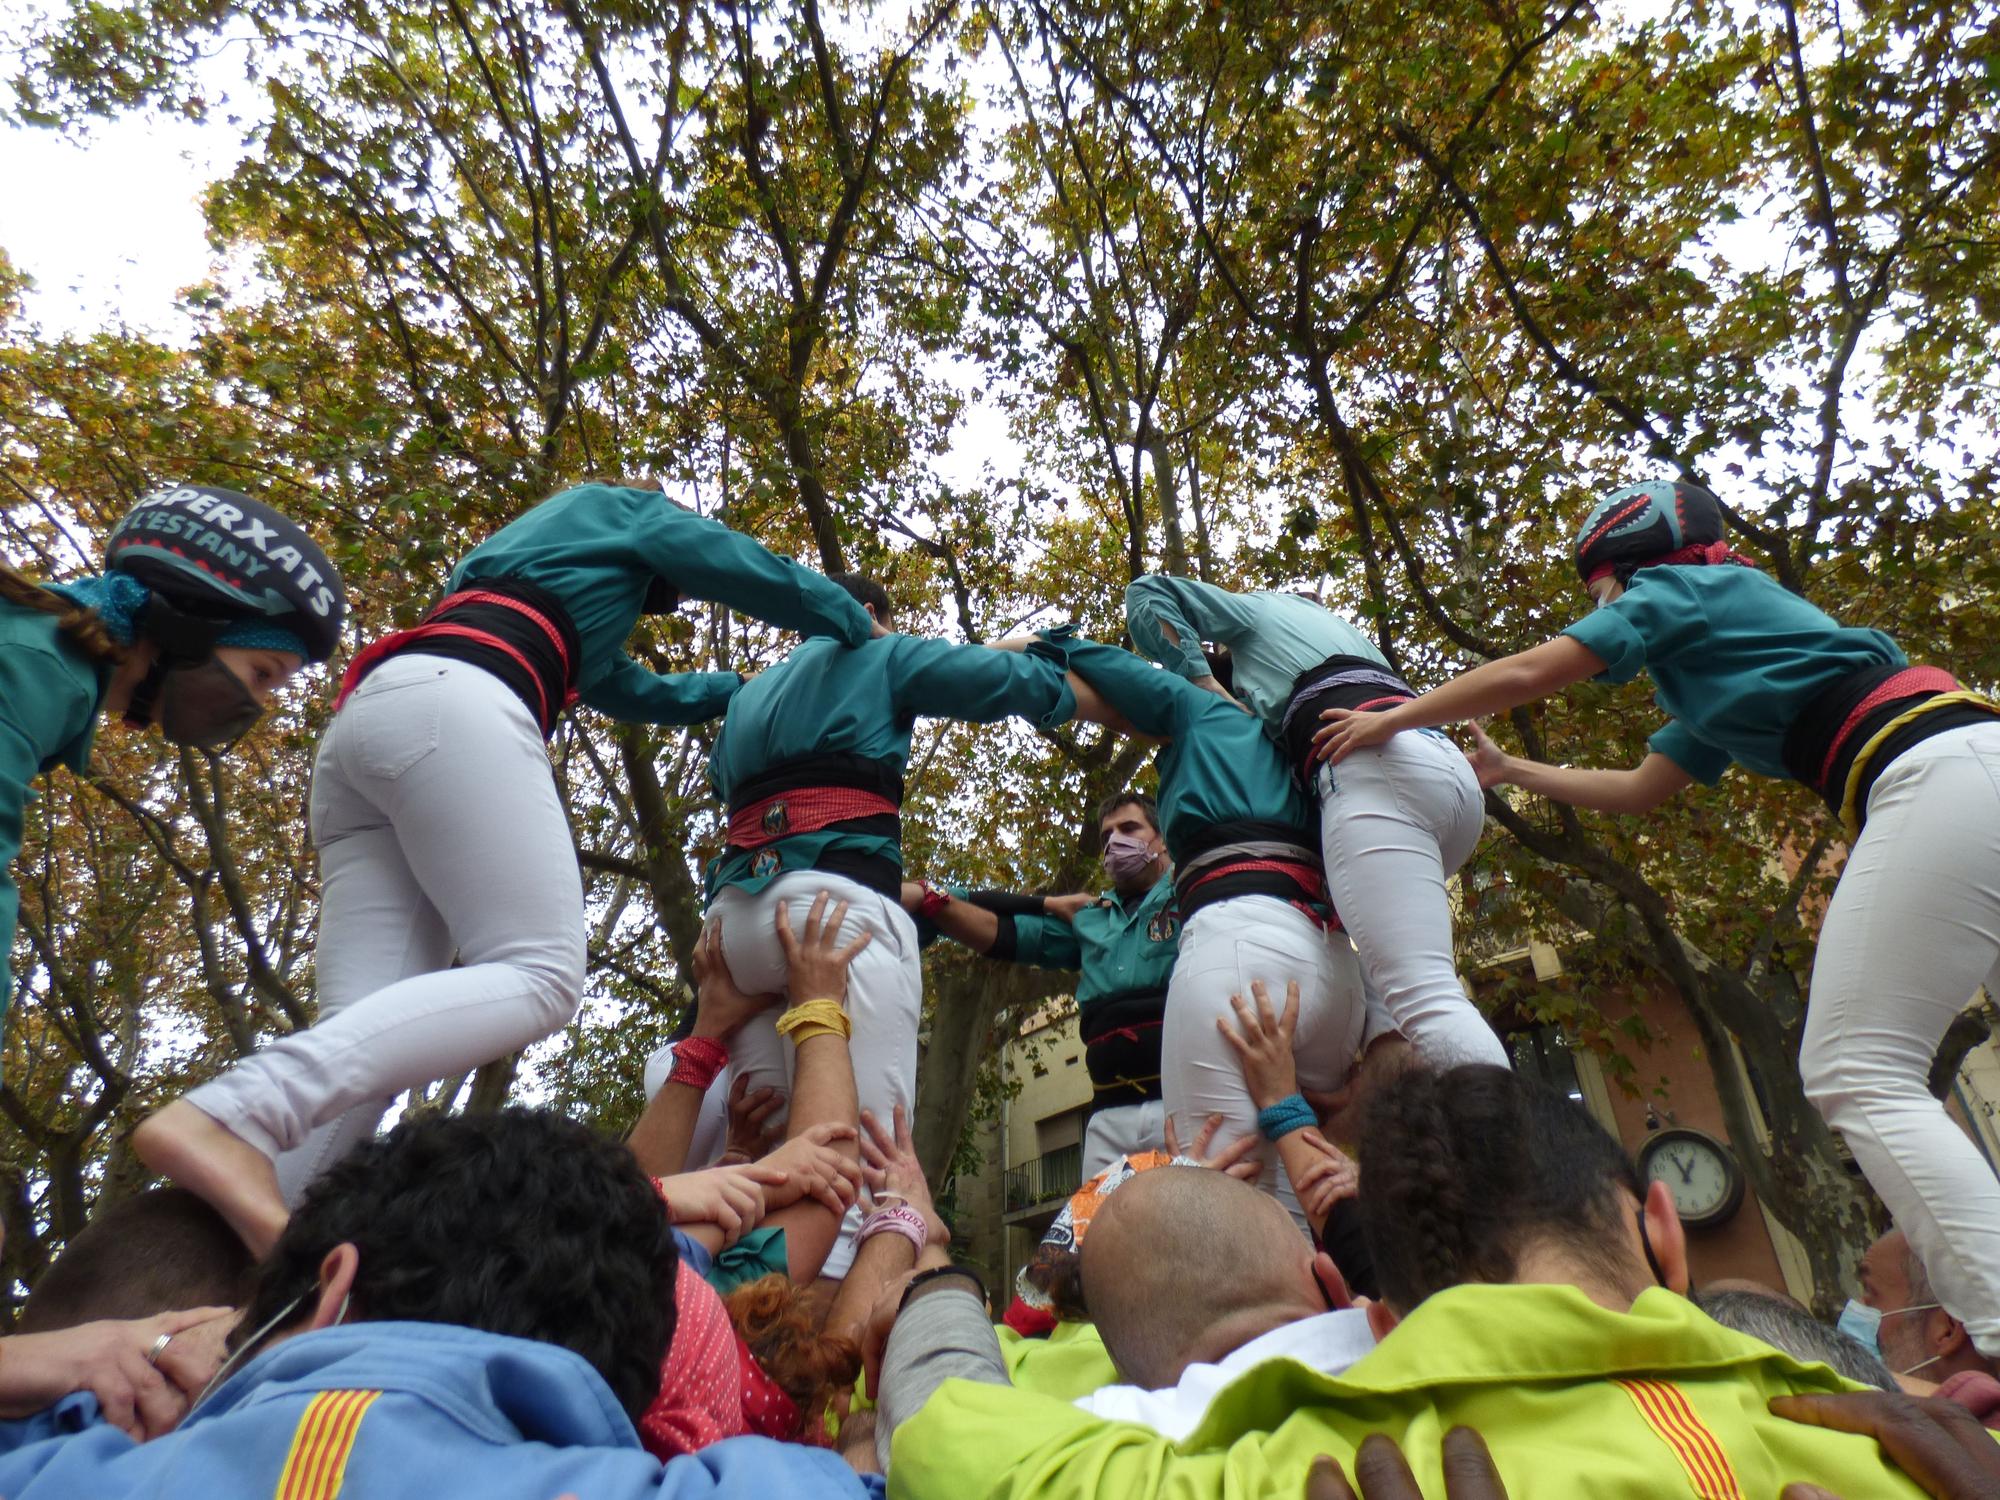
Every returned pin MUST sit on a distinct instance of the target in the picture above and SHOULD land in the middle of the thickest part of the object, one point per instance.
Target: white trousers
(885, 998)
(439, 832)
(1396, 822)
(711, 1122)
(1225, 948)
(1124, 1130)
(1912, 931)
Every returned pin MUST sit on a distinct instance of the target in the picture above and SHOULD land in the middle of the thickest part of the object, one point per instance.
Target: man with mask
(1899, 1316)
(1122, 943)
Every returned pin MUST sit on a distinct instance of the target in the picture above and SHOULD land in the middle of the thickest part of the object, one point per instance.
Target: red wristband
(934, 901)
(697, 1061)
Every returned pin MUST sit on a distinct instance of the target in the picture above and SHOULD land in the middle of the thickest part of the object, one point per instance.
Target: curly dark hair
(518, 1222)
(1461, 1171)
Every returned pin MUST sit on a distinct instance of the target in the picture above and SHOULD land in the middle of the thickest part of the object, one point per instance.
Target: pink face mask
(1127, 857)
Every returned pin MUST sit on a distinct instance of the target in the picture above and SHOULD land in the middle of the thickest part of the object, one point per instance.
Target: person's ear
(1944, 1334)
(1382, 1320)
(1331, 1282)
(1667, 1237)
(336, 1285)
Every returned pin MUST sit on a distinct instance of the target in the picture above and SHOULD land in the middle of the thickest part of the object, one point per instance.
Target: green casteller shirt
(825, 698)
(1271, 636)
(598, 548)
(1118, 945)
(1736, 656)
(1572, 1399)
(49, 693)
(1220, 766)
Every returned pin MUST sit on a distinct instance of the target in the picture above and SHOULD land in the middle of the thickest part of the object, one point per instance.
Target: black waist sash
(1341, 681)
(1829, 734)
(878, 872)
(1247, 857)
(1121, 1047)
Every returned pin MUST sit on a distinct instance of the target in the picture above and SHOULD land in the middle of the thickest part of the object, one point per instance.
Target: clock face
(1696, 1172)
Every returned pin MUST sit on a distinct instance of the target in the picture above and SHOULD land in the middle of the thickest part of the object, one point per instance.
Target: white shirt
(1328, 1342)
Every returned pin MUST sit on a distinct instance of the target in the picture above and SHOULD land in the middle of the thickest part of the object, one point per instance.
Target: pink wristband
(895, 1218)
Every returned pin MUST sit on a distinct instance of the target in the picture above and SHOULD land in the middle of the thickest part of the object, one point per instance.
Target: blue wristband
(1288, 1114)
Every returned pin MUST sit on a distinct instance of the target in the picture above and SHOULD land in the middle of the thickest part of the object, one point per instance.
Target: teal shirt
(1271, 637)
(826, 698)
(49, 692)
(1736, 656)
(598, 549)
(1118, 945)
(1220, 766)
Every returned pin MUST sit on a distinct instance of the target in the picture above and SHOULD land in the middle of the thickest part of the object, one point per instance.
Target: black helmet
(226, 569)
(1644, 522)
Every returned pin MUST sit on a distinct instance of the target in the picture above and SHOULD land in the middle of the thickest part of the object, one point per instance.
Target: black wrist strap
(932, 1275)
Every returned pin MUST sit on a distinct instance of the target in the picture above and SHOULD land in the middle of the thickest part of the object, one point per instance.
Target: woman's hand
(1492, 765)
(1331, 1177)
(1346, 731)
(815, 1168)
(730, 1198)
(890, 1166)
(1235, 1159)
(1065, 908)
(1264, 1044)
(815, 968)
(720, 1008)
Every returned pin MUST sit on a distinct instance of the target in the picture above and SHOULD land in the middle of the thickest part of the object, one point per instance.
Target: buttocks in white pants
(1225, 949)
(885, 997)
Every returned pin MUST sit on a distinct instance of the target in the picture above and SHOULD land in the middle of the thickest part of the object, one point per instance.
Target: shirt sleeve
(1155, 702)
(1045, 942)
(707, 560)
(1657, 618)
(630, 692)
(942, 1335)
(980, 685)
(1679, 744)
(1193, 610)
(26, 678)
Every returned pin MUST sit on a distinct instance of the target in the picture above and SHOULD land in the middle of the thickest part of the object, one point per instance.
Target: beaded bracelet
(1288, 1114)
(697, 1061)
(895, 1218)
(811, 1018)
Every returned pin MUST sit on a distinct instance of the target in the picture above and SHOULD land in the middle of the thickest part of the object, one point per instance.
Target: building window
(1543, 1053)
(1058, 1131)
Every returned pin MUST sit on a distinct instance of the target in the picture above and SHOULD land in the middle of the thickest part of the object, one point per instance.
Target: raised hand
(815, 1168)
(890, 1167)
(749, 1109)
(720, 1008)
(816, 967)
(730, 1198)
(1237, 1159)
(1492, 765)
(1384, 1474)
(1264, 1043)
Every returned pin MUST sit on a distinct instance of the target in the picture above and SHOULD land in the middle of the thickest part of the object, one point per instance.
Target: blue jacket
(443, 1411)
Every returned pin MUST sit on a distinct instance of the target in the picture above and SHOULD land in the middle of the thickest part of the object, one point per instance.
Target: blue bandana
(117, 598)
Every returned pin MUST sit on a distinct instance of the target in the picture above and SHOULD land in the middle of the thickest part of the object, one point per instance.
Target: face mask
(207, 706)
(1863, 1324)
(1126, 857)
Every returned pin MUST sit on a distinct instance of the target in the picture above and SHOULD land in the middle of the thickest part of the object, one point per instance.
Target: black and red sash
(1250, 858)
(1121, 1047)
(1838, 745)
(518, 632)
(1341, 681)
(828, 793)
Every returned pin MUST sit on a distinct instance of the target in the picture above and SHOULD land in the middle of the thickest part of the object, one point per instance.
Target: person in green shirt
(208, 602)
(1753, 675)
(1394, 825)
(1121, 944)
(810, 766)
(451, 908)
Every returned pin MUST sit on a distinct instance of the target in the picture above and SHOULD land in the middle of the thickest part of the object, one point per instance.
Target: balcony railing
(1049, 1178)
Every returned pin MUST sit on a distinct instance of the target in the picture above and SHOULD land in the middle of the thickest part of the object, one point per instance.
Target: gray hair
(1798, 1333)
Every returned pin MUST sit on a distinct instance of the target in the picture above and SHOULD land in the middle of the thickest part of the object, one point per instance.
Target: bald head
(1183, 1265)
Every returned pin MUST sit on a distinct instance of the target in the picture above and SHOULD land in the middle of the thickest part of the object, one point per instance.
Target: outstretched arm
(1641, 789)
(631, 693)
(704, 559)
(1492, 688)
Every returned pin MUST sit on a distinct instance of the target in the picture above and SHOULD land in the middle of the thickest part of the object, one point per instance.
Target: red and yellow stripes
(317, 1463)
(1667, 1412)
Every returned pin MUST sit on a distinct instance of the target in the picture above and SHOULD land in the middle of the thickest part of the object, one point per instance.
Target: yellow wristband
(812, 1018)
(806, 1033)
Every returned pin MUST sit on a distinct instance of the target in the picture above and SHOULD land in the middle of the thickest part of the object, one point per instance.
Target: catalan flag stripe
(317, 1464)
(1668, 1413)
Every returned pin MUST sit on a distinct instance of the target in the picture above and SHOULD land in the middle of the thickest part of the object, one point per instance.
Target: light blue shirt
(1272, 637)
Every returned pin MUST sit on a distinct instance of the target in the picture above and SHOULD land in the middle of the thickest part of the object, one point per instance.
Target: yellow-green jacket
(1572, 1399)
